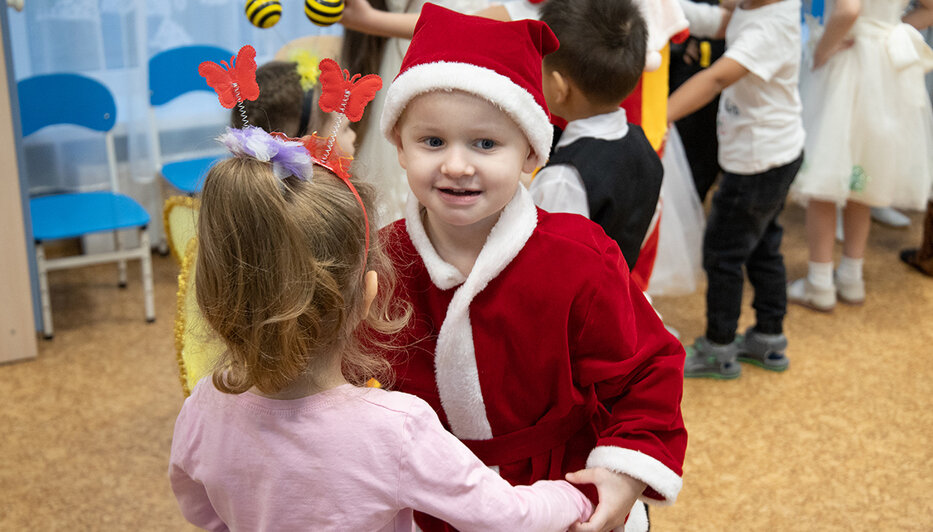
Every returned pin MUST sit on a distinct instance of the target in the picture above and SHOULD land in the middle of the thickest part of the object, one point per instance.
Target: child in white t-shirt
(761, 141)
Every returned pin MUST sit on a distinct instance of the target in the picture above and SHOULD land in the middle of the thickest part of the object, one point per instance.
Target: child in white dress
(869, 137)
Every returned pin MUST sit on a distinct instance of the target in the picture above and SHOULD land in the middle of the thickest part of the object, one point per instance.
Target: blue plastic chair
(173, 73)
(55, 99)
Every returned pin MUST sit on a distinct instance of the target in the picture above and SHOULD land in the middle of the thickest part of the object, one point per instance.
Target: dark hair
(279, 106)
(280, 277)
(602, 45)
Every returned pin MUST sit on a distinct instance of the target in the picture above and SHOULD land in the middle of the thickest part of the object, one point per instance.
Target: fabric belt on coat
(534, 440)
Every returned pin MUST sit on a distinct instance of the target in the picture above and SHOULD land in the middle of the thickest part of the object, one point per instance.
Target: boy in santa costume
(645, 106)
(529, 338)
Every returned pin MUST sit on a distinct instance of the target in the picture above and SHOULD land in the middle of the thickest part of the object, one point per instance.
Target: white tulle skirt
(868, 121)
(678, 266)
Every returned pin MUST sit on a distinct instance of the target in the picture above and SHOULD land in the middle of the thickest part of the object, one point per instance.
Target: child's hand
(356, 14)
(617, 495)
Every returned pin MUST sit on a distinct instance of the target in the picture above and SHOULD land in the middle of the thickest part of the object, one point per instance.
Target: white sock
(850, 269)
(820, 274)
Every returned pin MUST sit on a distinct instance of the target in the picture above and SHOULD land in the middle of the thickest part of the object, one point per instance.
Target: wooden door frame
(18, 314)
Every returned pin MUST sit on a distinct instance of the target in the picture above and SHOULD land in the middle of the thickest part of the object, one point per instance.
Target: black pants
(743, 230)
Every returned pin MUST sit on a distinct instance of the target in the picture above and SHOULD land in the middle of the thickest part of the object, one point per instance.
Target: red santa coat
(547, 358)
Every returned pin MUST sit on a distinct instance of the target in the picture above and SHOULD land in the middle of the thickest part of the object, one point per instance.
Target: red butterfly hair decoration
(235, 82)
(340, 94)
(346, 96)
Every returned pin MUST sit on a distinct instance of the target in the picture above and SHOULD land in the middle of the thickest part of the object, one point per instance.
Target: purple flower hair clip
(288, 158)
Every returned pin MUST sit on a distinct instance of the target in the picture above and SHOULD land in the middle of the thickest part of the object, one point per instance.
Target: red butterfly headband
(340, 93)
(346, 96)
(234, 82)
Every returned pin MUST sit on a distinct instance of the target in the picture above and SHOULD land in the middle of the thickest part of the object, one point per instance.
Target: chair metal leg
(146, 261)
(121, 264)
(47, 331)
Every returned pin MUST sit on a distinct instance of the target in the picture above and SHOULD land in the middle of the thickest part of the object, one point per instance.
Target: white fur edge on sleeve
(641, 466)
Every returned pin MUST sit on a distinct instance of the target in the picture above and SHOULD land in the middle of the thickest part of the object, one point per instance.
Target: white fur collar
(455, 360)
(516, 223)
(443, 274)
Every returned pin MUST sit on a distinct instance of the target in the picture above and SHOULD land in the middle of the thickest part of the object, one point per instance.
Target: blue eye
(486, 144)
(434, 142)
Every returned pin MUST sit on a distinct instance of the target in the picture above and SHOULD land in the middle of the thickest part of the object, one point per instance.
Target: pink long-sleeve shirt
(344, 459)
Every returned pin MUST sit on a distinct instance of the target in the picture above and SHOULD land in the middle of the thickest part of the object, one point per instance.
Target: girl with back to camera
(283, 436)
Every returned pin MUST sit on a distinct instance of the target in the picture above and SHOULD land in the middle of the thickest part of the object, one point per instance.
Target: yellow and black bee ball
(324, 12)
(263, 13)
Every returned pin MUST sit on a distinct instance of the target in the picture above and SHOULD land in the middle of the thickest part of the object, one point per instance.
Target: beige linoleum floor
(842, 441)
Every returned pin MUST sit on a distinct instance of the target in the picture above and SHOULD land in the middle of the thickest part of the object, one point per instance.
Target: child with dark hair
(761, 140)
(602, 167)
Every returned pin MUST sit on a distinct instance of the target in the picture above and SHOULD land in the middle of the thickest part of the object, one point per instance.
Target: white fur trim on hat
(641, 466)
(517, 102)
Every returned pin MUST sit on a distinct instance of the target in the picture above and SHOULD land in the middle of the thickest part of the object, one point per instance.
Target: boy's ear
(531, 161)
(397, 140)
(560, 86)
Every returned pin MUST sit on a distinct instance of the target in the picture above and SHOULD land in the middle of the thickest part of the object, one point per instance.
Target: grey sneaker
(763, 350)
(712, 361)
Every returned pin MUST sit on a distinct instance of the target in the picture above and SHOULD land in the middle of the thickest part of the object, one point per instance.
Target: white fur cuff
(641, 466)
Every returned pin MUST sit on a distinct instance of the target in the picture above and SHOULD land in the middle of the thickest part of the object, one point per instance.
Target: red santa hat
(497, 61)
